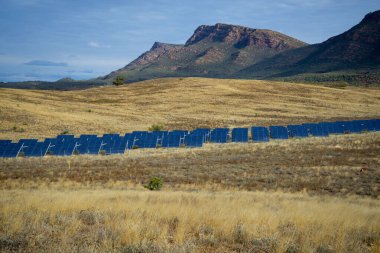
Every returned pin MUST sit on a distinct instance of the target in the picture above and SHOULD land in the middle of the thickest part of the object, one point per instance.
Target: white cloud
(97, 45)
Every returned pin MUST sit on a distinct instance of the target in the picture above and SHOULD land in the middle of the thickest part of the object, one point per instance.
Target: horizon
(47, 40)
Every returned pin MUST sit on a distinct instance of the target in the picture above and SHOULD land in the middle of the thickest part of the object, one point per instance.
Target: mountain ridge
(208, 52)
(233, 51)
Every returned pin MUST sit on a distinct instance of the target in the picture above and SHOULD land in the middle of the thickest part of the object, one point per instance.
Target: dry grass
(47, 220)
(338, 165)
(178, 103)
(312, 195)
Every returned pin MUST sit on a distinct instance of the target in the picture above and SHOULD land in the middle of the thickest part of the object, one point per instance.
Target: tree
(119, 80)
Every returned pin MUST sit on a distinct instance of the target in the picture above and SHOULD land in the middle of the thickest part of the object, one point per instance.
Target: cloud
(97, 45)
(46, 63)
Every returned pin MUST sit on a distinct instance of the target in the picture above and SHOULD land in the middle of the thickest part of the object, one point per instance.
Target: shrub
(156, 127)
(119, 80)
(155, 184)
(66, 131)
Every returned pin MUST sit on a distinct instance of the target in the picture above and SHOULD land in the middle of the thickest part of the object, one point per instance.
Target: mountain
(231, 51)
(212, 51)
(354, 53)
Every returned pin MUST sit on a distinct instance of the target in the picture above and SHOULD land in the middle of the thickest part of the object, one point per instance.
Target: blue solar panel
(317, 130)
(5, 142)
(62, 146)
(10, 150)
(119, 146)
(39, 150)
(172, 140)
(278, 132)
(297, 131)
(205, 132)
(219, 135)
(65, 137)
(149, 141)
(239, 135)
(373, 125)
(194, 140)
(66, 149)
(260, 134)
(356, 126)
(27, 142)
(138, 138)
(88, 144)
(333, 127)
(183, 133)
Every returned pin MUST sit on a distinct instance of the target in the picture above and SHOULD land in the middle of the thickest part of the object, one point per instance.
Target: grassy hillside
(178, 103)
(175, 221)
(299, 195)
(301, 199)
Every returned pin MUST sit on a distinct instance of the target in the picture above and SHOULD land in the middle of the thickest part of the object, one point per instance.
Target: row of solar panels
(66, 145)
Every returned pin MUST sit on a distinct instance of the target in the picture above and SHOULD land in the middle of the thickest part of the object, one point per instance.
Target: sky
(82, 39)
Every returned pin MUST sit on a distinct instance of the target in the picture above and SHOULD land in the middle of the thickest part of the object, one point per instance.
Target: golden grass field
(183, 103)
(317, 195)
(45, 220)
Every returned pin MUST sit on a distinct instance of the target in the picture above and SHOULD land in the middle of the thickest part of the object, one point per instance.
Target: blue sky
(52, 39)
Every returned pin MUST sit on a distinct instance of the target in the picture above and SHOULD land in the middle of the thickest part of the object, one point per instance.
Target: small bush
(155, 184)
(66, 131)
(156, 127)
(119, 80)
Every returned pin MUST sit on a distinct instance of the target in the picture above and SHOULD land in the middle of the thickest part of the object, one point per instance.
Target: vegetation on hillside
(179, 103)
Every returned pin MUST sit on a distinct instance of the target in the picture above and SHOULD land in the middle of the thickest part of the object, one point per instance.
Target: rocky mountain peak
(241, 37)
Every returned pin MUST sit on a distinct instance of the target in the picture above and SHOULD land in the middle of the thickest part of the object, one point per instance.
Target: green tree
(119, 80)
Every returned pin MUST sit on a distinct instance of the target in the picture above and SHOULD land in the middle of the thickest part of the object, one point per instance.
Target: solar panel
(373, 125)
(205, 132)
(149, 141)
(260, 134)
(138, 138)
(183, 133)
(194, 140)
(172, 140)
(11, 150)
(39, 150)
(239, 135)
(297, 131)
(316, 129)
(278, 132)
(66, 149)
(219, 135)
(4, 142)
(130, 140)
(376, 124)
(65, 137)
(356, 126)
(119, 146)
(27, 142)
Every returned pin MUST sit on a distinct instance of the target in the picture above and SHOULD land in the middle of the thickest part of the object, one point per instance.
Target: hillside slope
(356, 50)
(183, 103)
(212, 51)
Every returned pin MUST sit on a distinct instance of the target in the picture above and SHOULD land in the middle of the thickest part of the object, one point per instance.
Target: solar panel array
(67, 145)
